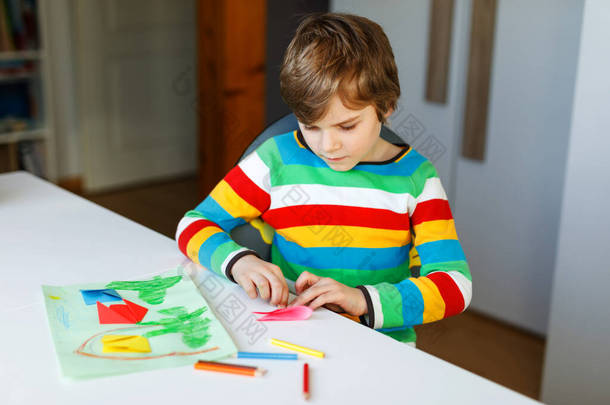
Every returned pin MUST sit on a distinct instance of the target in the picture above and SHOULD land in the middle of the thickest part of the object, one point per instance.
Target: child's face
(345, 137)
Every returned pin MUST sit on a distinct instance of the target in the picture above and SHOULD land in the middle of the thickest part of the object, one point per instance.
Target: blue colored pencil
(268, 356)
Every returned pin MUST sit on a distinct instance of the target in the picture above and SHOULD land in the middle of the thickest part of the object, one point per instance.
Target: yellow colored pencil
(297, 348)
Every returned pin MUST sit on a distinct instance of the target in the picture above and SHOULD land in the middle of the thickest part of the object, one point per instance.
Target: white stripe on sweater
(377, 310)
(184, 222)
(256, 170)
(433, 189)
(223, 267)
(313, 194)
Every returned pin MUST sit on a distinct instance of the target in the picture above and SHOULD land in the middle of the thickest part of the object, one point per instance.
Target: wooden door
(231, 63)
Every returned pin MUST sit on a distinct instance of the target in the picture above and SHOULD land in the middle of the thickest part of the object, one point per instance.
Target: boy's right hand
(252, 273)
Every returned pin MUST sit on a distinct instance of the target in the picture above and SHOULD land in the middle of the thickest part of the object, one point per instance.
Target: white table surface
(50, 236)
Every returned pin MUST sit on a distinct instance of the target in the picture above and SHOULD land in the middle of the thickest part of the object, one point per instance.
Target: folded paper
(298, 313)
(125, 344)
(105, 295)
(128, 313)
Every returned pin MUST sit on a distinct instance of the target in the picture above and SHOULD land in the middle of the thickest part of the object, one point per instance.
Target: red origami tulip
(128, 313)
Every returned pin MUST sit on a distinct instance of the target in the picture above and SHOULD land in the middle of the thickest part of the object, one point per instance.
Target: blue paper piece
(105, 295)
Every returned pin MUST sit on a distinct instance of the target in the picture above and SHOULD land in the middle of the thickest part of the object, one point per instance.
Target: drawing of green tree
(150, 291)
(194, 329)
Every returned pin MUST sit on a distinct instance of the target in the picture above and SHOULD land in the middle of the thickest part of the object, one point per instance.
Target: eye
(309, 128)
(349, 128)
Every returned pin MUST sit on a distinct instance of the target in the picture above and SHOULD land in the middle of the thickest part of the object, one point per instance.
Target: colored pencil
(306, 393)
(229, 368)
(297, 348)
(228, 364)
(267, 356)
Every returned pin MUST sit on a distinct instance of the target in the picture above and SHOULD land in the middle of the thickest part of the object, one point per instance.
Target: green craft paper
(180, 327)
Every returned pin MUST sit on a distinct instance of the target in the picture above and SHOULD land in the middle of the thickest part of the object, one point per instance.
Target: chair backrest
(248, 236)
(285, 124)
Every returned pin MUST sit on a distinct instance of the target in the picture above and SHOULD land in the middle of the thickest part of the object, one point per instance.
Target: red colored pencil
(306, 393)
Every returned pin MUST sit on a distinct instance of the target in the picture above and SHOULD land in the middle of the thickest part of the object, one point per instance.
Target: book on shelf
(19, 106)
(18, 25)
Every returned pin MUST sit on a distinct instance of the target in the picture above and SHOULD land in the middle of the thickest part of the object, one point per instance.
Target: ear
(388, 113)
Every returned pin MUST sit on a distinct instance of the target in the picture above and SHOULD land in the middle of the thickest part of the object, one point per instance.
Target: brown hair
(335, 53)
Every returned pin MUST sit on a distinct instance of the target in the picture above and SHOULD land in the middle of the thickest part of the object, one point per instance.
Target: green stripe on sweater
(459, 265)
(302, 174)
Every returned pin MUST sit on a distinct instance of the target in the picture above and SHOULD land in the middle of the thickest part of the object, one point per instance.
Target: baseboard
(73, 184)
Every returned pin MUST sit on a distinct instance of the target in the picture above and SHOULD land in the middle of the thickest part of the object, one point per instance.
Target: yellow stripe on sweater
(406, 153)
(434, 306)
(414, 259)
(432, 231)
(344, 236)
(193, 245)
(296, 138)
(236, 206)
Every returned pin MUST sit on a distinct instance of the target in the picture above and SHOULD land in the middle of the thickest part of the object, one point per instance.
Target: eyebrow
(348, 120)
(343, 122)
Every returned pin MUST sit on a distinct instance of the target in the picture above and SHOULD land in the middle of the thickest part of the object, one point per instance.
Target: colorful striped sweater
(383, 227)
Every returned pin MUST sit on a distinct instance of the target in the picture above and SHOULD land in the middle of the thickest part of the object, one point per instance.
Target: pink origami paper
(298, 313)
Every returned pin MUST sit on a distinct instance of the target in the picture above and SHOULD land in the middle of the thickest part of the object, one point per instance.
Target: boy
(351, 211)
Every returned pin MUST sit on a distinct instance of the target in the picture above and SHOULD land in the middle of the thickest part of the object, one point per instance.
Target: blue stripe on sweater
(341, 257)
(215, 213)
(209, 247)
(412, 303)
(446, 250)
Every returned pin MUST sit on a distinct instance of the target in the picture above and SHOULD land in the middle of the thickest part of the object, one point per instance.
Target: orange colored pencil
(228, 364)
(229, 368)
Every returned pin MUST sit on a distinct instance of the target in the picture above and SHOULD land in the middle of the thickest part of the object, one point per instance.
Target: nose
(330, 142)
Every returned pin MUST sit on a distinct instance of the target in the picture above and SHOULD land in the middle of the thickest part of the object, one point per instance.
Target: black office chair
(248, 235)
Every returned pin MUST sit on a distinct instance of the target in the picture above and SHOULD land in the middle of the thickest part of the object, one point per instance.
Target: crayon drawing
(169, 324)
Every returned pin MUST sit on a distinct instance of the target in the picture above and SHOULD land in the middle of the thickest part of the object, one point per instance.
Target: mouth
(334, 159)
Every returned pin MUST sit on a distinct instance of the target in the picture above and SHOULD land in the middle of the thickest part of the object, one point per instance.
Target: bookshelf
(26, 125)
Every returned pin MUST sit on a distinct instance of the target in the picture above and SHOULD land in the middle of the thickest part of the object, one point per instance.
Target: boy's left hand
(318, 291)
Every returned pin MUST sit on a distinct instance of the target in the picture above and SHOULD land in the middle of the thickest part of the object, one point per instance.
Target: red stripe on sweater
(190, 231)
(431, 210)
(454, 301)
(247, 189)
(306, 215)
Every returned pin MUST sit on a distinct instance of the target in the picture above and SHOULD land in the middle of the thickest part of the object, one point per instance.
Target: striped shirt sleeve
(243, 195)
(444, 285)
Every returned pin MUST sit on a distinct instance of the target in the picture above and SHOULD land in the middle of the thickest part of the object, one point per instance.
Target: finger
(285, 298)
(310, 294)
(323, 299)
(248, 286)
(316, 281)
(263, 286)
(277, 287)
(301, 281)
(304, 281)
(334, 308)
(284, 285)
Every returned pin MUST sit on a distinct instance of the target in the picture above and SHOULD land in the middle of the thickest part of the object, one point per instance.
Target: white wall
(506, 208)
(577, 366)
(67, 137)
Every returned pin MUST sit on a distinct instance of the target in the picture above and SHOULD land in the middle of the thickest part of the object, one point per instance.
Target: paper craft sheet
(179, 326)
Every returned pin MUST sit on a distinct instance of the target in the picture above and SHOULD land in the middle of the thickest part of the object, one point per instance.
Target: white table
(50, 236)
